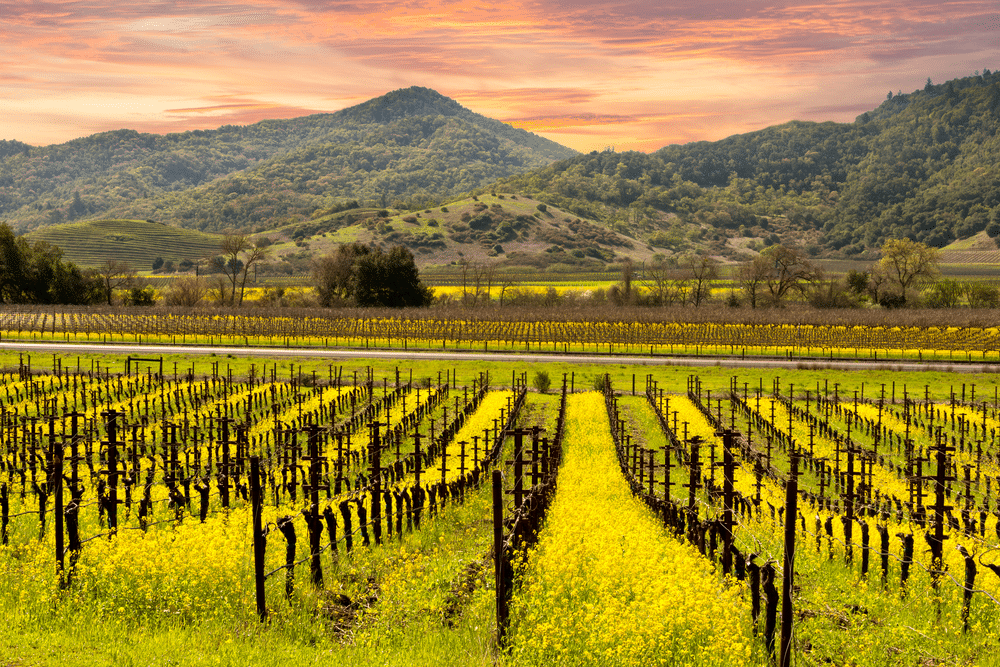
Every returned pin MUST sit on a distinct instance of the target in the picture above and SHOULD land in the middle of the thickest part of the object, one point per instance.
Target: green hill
(492, 228)
(411, 145)
(922, 165)
(139, 242)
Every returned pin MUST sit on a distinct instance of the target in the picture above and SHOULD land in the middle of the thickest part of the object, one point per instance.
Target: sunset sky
(586, 73)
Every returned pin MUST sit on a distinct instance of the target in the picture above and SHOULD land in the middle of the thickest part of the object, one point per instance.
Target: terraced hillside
(138, 242)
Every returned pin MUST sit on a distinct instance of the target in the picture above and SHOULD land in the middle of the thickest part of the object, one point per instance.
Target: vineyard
(372, 516)
(496, 334)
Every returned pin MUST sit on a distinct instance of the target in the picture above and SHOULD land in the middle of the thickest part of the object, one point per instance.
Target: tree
(239, 254)
(857, 282)
(77, 208)
(981, 295)
(750, 275)
(628, 275)
(945, 294)
(703, 270)
(187, 292)
(141, 296)
(370, 277)
(778, 270)
(115, 275)
(664, 281)
(907, 264)
(332, 273)
(389, 280)
(36, 273)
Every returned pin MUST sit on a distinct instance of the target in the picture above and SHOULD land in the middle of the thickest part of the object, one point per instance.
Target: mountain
(922, 165)
(411, 146)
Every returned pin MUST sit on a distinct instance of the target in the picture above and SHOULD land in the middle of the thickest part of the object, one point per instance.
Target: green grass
(139, 242)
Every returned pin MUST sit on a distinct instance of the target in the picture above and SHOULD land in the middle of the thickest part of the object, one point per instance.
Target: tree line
(907, 274)
(358, 275)
(36, 273)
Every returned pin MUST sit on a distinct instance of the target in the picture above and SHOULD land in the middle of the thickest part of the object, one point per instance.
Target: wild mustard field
(128, 518)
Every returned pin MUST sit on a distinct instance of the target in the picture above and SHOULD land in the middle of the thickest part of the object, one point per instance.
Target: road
(527, 357)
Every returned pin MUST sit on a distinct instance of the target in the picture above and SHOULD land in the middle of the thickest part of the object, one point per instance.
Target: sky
(589, 74)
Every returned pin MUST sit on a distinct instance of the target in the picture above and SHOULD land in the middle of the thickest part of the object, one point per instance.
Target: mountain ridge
(101, 175)
(921, 165)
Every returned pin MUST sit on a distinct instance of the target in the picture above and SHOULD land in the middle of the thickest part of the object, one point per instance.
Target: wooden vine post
(57, 479)
(256, 505)
(499, 561)
(728, 499)
(788, 564)
(112, 470)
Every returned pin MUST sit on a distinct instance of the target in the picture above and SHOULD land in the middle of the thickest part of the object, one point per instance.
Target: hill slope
(411, 144)
(922, 165)
(139, 242)
(496, 228)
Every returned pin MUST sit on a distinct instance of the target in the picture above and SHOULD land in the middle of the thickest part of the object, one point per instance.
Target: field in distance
(138, 242)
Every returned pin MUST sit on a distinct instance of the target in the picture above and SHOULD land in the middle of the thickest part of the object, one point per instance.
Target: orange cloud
(580, 71)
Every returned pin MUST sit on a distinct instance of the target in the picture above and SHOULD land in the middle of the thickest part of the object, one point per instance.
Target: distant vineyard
(432, 332)
(988, 257)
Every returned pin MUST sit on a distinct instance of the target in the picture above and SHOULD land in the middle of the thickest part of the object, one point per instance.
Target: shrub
(541, 381)
(141, 296)
(187, 292)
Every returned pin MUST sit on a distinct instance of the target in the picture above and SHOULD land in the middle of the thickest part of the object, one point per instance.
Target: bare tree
(751, 275)
(789, 269)
(115, 275)
(665, 282)
(254, 255)
(628, 275)
(774, 273)
(488, 277)
(187, 291)
(464, 265)
(507, 283)
(877, 282)
(218, 289)
(702, 270)
(239, 254)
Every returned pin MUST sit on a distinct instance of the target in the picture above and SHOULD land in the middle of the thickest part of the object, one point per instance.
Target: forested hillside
(409, 146)
(922, 165)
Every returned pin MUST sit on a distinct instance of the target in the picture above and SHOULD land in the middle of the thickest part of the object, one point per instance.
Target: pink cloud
(576, 70)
